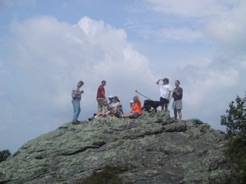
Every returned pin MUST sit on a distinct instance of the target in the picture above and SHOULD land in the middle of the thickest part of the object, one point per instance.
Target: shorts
(178, 104)
(135, 115)
(101, 105)
(164, 100)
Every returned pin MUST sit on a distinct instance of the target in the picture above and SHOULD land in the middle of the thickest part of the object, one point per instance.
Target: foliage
(109, 175)
(235, 122)
(4, 155)
(235, 117)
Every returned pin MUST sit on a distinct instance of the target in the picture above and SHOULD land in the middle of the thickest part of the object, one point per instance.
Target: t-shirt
(165, 90)
(101, 92)
(136, 107)
(78, 96)
(179, 90)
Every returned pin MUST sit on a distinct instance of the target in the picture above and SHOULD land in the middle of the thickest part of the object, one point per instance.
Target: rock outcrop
(151, 149)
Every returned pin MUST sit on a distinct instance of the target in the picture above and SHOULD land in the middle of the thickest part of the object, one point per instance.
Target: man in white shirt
(165, 92)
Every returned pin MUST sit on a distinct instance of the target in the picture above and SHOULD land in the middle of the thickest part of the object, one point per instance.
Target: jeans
(76, 108)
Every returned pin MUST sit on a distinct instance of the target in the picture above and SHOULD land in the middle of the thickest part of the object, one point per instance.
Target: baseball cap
(110, 96)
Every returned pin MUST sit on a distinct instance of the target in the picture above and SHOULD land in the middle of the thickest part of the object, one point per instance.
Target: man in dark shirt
(177, 103)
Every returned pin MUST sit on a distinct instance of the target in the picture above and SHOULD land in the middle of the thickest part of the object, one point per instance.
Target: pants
(76, 108)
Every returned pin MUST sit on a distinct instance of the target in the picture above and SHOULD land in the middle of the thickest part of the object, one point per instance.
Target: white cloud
(184, 34)
(229, 29)
(50, 56)
(209, 89)
(191, 8)
(47, 57)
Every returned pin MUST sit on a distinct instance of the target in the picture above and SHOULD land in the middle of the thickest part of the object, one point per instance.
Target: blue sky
(47, 46)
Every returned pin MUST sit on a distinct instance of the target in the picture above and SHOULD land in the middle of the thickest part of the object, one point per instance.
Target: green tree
(235, 117)
(4, 155)
(235, 122)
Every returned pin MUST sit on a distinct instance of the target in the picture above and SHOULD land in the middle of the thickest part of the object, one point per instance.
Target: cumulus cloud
(46, 58)
(50, 56)
(208, 89)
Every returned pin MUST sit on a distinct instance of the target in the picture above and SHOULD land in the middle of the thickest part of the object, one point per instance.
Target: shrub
(235, 122)
(235, 117)
(4, 155)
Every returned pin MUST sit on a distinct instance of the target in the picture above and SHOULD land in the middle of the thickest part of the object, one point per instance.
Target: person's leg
(162, 103)
(175, 113)
(79, 110)
(174, 110)
(99, 106)
(179, 114)
(166, 102)
(127, 115)
(179, 107)
(165, 106)
(75, 109)
(134, 116)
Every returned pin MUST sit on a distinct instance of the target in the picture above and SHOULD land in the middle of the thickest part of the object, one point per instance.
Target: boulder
(151, 149)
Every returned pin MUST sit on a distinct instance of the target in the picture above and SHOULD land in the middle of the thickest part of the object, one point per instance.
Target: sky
(46, 47)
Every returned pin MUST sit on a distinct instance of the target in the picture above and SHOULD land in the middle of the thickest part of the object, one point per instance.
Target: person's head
(135, 99)
(110, 98)
(80, 83)
(177, 83)
(116, 99)
(166, 81)
(103, 82)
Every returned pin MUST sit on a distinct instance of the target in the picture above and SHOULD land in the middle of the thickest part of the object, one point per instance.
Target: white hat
(111, 96)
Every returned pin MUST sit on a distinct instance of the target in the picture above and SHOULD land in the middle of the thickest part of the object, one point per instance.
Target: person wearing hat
(76, 97)
(110, 99)
(101, 98)
(116, 108)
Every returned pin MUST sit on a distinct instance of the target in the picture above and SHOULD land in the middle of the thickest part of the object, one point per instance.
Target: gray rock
(151, 149)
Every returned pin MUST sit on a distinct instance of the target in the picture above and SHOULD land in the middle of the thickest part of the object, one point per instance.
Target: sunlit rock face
(151, 149)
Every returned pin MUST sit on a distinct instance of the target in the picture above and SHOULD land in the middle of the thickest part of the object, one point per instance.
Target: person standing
(76, 97)
(177, 103)
(165, 92)
(101, 98)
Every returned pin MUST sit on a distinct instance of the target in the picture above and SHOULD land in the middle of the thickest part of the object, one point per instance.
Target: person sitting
(110, 100)
(114, 109)
(136, 109)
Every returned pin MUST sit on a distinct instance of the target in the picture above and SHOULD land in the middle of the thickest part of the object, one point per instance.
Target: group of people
(112, 106)
(166, 93)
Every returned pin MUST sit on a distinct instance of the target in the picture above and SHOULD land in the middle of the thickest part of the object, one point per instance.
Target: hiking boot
(89, 119)
(76, 122)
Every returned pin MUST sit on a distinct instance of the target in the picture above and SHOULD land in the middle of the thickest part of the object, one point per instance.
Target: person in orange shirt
(136, 109)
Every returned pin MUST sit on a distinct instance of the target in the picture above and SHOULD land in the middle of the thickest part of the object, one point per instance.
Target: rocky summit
(154, 149)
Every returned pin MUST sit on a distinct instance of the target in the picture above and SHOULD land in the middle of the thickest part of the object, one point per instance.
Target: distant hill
(151, 149)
